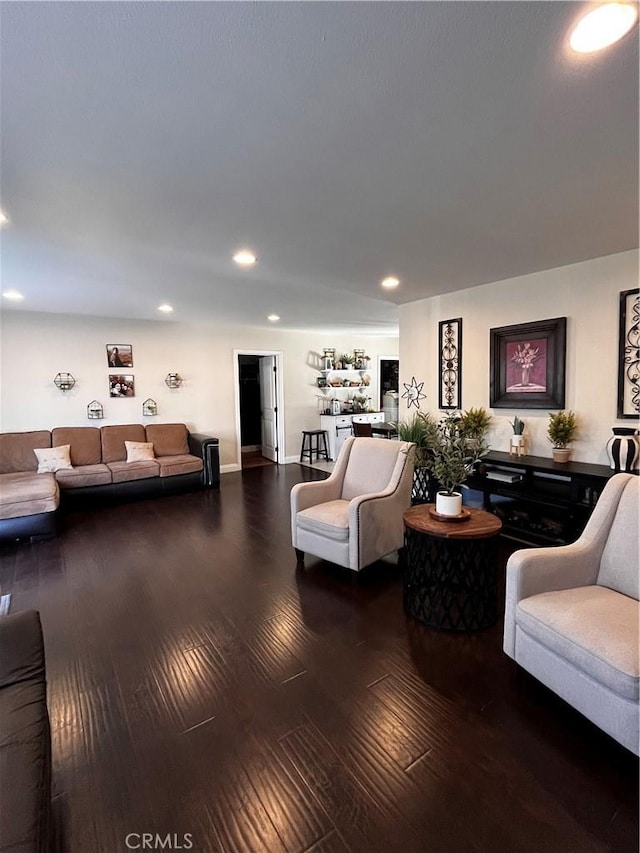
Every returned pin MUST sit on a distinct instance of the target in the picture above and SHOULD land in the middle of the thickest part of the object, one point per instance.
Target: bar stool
(311, 444)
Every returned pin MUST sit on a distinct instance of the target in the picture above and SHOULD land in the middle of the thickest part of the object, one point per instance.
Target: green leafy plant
(562, 429)
(517, 426)
(474, 423)
(346, 359)
(422, 430)
(452, 458)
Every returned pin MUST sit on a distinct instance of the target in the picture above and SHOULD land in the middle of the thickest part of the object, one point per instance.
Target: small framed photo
(119, 355)
(528, 365)
(121, 385)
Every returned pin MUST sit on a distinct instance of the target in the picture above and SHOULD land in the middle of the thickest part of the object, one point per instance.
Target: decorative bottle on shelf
(623, 449)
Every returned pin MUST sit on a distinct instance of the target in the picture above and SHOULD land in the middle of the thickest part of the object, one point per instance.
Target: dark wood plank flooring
(199, 684)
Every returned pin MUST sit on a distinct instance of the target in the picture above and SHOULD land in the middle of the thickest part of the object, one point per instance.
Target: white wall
(34, 347)
(586, 293)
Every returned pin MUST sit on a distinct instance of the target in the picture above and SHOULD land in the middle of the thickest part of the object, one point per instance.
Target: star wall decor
(413, 393)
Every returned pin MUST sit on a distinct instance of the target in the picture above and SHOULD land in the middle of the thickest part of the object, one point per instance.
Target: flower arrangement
(526, 356)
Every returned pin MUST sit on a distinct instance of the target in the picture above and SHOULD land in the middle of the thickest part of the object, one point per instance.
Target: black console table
(540, 502)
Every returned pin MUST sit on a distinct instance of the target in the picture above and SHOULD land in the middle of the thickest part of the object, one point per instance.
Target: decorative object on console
(121, 385)
(629, 355)
(64, 381)
(561, 431)
(473, 424)
(95, 410)
(449, 369)
(623, 449)
(413, 393)
(149, 408)
(119, 355)
(528, 365)
(517, 445)
(173, 380)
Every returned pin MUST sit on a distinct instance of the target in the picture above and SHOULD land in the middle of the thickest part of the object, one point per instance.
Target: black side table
(450, 569)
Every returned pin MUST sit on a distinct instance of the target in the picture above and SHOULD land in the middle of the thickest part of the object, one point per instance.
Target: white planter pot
(516, 440)
(449, 504)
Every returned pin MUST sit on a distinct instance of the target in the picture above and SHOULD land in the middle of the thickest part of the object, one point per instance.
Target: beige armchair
(571, 614)
(355, 516)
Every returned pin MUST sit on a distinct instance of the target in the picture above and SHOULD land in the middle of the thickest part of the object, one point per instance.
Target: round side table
(450, 569)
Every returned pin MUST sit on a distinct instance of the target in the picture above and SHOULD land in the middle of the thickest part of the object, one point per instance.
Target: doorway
(259, 421)
(388, 381)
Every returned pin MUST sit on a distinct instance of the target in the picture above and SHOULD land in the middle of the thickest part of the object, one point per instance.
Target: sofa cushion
(139, 451)
(123, 472)
(168, 439)
(114, 437)
(86, 448)
(16, 450)
(83, 475)
(593, 627)
(183, 463)
(621, 555)
(28, 493)
(330, 519)
(52, 459)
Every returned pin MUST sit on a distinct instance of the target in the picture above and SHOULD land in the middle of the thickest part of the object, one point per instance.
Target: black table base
(450, 584)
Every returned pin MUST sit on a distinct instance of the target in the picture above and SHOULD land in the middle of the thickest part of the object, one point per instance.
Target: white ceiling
(449, 143)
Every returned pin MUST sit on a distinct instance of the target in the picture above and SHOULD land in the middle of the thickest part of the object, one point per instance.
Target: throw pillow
(139, 451)
(52, 459)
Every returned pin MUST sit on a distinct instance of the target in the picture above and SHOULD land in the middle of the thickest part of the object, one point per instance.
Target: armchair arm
(21, 647)
(207, 448)
(305, 495)
(375, 525)
(536, 570)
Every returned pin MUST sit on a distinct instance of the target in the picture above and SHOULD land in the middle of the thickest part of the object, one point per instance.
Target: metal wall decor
(173, 380)
(450, 364)
(413, 393)
(629, 355)
(95, 410)
(149, 408)
(64, 381)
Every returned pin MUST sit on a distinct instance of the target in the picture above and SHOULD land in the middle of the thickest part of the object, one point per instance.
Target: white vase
(448, 504)
(516, 440)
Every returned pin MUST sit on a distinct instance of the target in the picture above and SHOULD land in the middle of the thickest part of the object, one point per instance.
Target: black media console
(540, 502)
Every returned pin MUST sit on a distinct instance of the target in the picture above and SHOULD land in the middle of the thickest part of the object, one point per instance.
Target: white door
(268, 404)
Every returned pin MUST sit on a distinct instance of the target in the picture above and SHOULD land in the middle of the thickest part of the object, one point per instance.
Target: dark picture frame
(527, 365)
(122, 385)
(119, 355)
(450, 364)
(629, 354)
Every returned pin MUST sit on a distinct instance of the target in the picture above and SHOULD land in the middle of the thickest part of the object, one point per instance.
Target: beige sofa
(572, 614)
(29, 501)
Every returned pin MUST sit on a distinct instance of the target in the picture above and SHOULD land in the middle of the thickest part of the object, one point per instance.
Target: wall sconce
(64, 381)
(149, 408)
(173, 380)
(95, 410)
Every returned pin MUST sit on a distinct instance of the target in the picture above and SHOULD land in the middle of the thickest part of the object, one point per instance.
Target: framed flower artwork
(528, 365)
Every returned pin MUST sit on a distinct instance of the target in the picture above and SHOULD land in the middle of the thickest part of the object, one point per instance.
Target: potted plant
(451, 459)
(517, 425)
(561, 431)
(474, 425)
(421, 429)
(347, 361)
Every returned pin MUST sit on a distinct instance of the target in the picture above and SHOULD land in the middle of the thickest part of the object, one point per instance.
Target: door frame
(280, 454)
(382, 358)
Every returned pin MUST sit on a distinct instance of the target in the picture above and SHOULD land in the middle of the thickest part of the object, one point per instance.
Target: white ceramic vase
(516, 440)
(448, 504)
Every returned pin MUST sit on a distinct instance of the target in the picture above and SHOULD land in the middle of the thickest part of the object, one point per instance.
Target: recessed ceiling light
(603, 26)
(13, 295)
(3, 218)
(273, 317)
(166, 309)
(390, 282)
(245, 258)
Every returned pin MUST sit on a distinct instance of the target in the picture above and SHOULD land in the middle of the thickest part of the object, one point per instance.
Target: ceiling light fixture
(245, 258)
(273, 318)
(166, 309)
(13, 295)
(603, 26)
(390, 282)
(3, 218)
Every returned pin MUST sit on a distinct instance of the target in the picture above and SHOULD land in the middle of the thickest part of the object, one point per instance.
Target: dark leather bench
(25, 739)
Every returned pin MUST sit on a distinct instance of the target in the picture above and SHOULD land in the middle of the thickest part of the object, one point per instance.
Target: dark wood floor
(199, 684)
